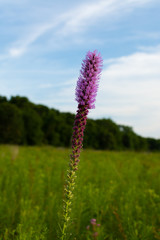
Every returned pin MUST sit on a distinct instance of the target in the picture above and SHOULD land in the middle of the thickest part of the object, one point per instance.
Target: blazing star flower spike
(87, 84)
(86, 92)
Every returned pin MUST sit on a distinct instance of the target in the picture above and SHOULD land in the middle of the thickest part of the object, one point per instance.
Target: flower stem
(77, 138)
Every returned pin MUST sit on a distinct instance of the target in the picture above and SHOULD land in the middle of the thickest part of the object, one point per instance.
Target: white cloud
(129, 92)
(16, 52)
(76, 20)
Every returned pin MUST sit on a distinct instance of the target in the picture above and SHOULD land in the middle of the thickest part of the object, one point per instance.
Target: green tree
(90, 135)
(65, 128)
(11, 124)
(32, 121)
(32, 125)
(3, 99)
(51, 128)
(23, 122)
(108, 134)
(153, 144)
(21, 102)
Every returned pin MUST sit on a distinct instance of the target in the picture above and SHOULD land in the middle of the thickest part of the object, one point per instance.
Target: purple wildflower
(86, 92)
(93, 221)
(94, 228)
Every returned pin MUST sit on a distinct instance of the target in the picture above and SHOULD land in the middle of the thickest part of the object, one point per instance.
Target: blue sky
(42, 44)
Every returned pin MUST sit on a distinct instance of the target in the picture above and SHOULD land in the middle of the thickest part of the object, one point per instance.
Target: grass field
(120, 189)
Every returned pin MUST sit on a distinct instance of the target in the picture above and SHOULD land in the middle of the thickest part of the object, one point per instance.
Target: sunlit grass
(120, 189)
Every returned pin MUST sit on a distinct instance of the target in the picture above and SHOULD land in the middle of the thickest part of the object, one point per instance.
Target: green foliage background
(25, 123)
(120, 189)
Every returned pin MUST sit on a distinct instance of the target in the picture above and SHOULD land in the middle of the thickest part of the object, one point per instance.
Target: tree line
(25, 123)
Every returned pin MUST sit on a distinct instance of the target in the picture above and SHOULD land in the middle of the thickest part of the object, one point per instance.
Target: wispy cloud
(86, 14)
(20, 46)
(74, 21)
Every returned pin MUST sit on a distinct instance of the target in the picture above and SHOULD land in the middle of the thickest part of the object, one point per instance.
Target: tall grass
(120, 189)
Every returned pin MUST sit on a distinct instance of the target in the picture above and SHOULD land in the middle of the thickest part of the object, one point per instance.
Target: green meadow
(121, 190)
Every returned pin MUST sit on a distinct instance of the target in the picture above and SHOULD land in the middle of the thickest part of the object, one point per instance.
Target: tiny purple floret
(93, 221)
